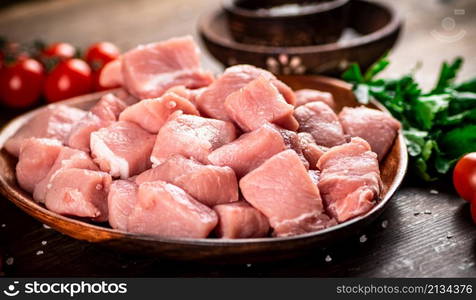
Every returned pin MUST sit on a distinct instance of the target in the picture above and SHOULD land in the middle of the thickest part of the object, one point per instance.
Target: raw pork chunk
(103, 114)
(240, 220)
(80, 193)
(257, 103)
(121, 200)
(166, 210)
(67, 158)
(80, 135)
(189, 94)
(111, 74)
(212, 101)
(311, 151)
(151, 114)
(305, 96)
(350, 179)
(53, 121)
(37, 156)
(149, 70)
(282, 190)
(109, 107)
(208, 184)
(122, 149)
(192, 137)
(127, 98)
(250, 150)
(321, 122)
(376, 127)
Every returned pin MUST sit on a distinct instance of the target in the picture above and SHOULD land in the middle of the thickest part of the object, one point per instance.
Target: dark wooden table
(426, 230)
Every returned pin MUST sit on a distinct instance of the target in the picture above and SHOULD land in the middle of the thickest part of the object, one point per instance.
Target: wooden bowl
(393, 169)
(254, 22)
(373, 30)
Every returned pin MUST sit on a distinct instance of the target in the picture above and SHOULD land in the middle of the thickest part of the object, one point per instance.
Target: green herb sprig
(439, 126)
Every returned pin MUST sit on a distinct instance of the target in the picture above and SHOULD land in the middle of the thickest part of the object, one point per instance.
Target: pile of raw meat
(179, 153)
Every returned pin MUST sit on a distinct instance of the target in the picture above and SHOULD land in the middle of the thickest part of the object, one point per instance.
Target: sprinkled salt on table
(363, 238)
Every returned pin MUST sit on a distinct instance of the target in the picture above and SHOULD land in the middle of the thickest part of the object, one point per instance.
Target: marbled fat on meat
(115, 149)
(350, 181)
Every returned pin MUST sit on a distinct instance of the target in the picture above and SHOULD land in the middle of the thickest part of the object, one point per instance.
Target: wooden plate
(373, 30)
(393, 170)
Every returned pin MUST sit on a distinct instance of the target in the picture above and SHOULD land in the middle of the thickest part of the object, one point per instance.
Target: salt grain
(328, 258)
(9, 261)
(4, 225)
(248, 265)
(449, 235)
(384, 224)
(39, 252)
(44, 242)
(434, 192)
(46, 226)
(363, 238)
(427, 212)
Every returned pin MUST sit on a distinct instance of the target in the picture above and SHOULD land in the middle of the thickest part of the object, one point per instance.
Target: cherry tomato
(464, 176)
(61, 50)
(21, 83)
(72, 77)
(100, 54)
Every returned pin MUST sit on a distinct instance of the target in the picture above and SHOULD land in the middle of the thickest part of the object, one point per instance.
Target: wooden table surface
(426, 230)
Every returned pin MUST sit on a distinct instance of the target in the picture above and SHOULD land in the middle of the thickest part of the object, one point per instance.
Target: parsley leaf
(439, 126)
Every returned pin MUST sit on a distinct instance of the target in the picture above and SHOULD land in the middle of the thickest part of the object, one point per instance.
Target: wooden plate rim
(46, 216)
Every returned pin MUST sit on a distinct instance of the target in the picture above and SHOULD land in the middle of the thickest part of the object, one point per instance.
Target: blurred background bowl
(373, 29)
(286, 22)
